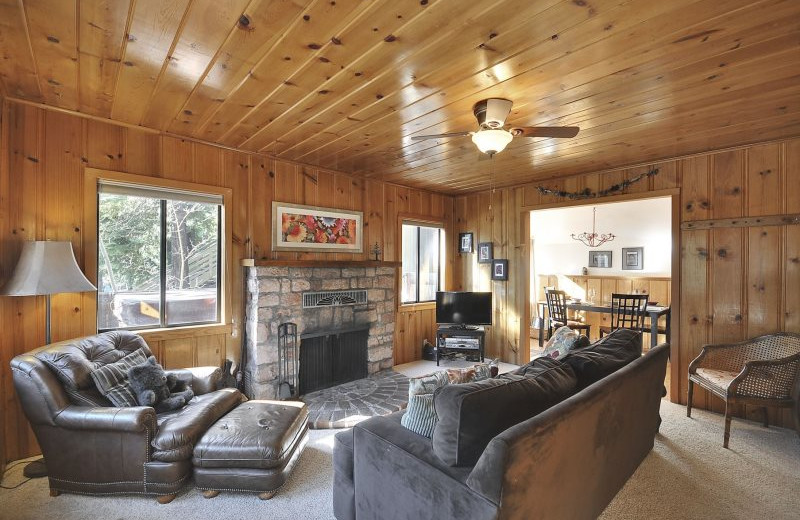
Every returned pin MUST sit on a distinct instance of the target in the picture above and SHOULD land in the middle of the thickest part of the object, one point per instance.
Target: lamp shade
(491, 141)
(46, 268)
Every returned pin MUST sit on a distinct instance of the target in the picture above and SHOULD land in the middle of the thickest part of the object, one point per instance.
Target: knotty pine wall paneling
(43, 154)
(734, 282)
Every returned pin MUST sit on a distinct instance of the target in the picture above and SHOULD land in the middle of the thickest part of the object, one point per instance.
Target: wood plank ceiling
(343, 84)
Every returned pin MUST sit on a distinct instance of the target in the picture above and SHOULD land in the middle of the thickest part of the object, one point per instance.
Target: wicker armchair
(762, 371)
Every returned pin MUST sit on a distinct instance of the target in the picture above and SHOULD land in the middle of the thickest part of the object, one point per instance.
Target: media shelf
(459, 340)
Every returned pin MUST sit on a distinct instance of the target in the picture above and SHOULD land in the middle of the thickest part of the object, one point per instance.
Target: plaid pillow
(112, 379)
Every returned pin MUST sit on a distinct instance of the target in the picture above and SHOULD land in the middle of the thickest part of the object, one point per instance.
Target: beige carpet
(688, 475)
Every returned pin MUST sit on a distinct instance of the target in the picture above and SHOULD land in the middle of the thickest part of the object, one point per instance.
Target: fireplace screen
(331, 358)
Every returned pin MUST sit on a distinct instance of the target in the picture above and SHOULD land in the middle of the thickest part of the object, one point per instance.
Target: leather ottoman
(253, 448)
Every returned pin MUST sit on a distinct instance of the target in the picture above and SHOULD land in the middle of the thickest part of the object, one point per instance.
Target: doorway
(591, 250)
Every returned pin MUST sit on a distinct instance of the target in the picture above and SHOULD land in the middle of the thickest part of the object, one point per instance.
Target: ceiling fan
(491, 136)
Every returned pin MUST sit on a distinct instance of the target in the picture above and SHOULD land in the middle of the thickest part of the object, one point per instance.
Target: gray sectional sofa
(514, 447)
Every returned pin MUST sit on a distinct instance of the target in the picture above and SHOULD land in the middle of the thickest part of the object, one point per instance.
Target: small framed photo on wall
(465, 242)
(485, 252)
(499, 269)
(632, 258)
(599, 258)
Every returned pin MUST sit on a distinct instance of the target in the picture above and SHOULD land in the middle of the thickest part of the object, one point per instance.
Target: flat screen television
(464, 308)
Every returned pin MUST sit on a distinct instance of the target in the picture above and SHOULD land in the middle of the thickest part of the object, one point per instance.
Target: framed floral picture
(296, 227)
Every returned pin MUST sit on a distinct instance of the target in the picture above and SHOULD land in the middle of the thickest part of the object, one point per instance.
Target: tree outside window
(158, 261)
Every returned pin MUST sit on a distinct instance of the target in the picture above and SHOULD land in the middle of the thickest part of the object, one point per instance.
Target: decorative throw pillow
(420, 417)
(478, 372)
(112, 379)
(562, 341)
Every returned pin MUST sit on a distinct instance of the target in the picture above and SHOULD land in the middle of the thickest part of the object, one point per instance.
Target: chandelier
(593, 239)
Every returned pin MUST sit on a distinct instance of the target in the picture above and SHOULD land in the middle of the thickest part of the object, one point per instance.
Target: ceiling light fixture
(491, 141)
(593, 239)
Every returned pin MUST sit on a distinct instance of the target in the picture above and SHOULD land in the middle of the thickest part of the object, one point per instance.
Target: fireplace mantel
(252, 262)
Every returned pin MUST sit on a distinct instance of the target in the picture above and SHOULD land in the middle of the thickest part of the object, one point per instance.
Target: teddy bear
(153, 387)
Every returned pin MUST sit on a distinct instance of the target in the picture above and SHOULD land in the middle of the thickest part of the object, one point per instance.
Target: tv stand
(459, 339)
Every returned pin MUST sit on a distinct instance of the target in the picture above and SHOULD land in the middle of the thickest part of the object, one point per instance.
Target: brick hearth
(275, 296)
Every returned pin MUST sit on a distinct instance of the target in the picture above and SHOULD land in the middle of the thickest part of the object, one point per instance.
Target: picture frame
(485, 252)
(632, 258)
(500, 269)
(465, 243)
(299, 227)
(600, 259)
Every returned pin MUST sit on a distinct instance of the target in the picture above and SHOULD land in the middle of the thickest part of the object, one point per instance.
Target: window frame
(440, 282)
(93, 177)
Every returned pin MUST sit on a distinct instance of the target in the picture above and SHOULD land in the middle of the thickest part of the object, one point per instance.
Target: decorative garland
(589, 194)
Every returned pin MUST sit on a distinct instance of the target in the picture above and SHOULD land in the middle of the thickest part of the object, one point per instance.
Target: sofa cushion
(420, 417)
(605, 356)
(112, 379)
(179, 430)
(73, 361)
(470, 415)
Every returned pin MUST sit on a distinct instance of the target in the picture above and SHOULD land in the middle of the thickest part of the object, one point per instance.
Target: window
(159, 257)
(422, 260)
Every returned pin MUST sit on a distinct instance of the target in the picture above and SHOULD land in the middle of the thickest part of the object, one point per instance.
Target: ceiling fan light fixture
(491, 141)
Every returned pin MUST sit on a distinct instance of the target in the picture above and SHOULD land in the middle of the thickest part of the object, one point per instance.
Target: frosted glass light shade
(46, 268)
(491, 141)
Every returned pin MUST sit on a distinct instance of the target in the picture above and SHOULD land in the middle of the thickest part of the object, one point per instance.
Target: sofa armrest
(393, 481)
(132, 419)
(202, 379)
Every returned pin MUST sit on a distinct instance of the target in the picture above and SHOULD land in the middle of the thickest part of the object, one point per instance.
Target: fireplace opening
(329, 358)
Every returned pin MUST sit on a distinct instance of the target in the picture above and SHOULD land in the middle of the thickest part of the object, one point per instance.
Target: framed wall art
(296, 227)
(465, 242)
(599, 258)
(632, 258)
(485, 252)
(499, 269)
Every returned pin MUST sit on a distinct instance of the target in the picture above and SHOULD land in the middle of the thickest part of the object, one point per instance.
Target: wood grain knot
(390, 38)
(722, 253)
(244, 22)
(314, 46)
(335, 40)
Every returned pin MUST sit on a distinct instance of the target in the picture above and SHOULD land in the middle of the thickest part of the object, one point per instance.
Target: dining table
(654, 312)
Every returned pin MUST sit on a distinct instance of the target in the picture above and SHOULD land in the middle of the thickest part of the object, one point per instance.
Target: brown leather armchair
(92, 447)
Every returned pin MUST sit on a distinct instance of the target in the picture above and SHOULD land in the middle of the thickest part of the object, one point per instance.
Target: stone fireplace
(275, 295)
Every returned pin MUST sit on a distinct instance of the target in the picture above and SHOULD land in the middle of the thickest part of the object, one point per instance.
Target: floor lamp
(45, 268)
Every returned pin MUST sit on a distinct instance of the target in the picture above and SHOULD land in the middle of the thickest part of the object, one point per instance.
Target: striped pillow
(112, 379)
(420, 417)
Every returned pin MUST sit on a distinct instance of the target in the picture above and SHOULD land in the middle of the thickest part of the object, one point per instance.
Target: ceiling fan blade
(497, 109)
(545, 131)
(437, 136)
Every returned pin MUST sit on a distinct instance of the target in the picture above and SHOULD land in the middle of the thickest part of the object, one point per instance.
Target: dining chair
(557, 308)
(627, 312)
